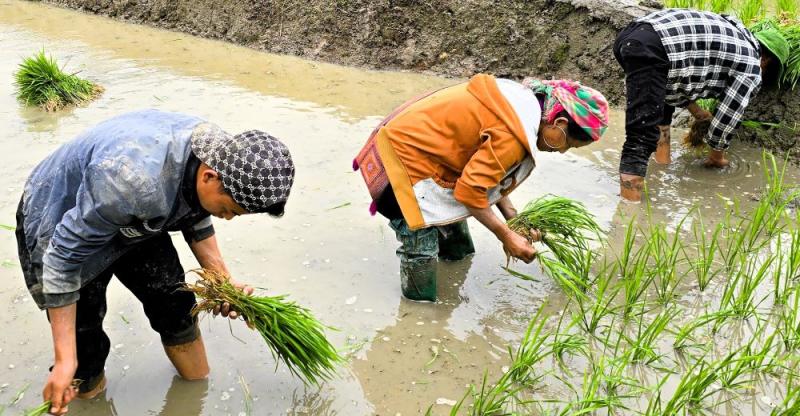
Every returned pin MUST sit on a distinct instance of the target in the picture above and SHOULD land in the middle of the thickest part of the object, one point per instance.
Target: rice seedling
(566, 343)
(750, 11)
(643, 344)
(781, 283)
(594, 311)
(787, 9)
(789, 323)
(739, 294)
(791, 402)
(665, 252)
(40, 82)
(708, 104)
(571, 283)
(706, 249)
(684, 338)
(719, 6)
(791, 70)
(567, 226)
(635, 284)
(533, 348)
(698, 383)
(40, 410)
(291, 332)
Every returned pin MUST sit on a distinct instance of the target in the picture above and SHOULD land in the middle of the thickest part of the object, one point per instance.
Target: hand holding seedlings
(290, 331)
(225, 309)
(518, 246)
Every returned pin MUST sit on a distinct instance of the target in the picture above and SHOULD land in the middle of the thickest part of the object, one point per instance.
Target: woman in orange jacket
(457, 152)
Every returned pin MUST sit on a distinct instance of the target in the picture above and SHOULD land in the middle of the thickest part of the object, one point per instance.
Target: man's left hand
(225, 309)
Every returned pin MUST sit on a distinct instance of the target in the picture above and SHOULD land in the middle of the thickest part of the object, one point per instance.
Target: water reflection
(418, 361)
(185, 397)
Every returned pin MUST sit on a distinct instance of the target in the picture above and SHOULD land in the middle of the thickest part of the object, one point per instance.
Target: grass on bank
(291, 332)
(41, 82)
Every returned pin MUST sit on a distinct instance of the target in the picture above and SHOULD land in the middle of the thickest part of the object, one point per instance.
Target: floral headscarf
(587, 106)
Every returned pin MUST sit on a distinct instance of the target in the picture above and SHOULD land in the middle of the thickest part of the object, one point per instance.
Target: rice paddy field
(686, 305)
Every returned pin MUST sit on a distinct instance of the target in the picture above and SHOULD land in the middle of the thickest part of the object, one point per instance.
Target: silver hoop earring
(550, 145)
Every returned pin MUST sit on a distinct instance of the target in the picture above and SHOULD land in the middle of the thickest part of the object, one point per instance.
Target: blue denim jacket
(114, 185)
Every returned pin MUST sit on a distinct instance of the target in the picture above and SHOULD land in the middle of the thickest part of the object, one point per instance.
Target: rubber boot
(417, 254)
(418, 279)
(455, 243)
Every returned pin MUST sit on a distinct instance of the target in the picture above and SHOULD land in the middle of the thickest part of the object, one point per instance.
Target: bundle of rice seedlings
(40, 82)
(40, 410)
(791, 71)
(292, 333)
(567, 226)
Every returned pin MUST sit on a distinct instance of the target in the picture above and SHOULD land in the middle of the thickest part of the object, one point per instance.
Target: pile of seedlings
(292, 333)
(700, 320)
(40, 82)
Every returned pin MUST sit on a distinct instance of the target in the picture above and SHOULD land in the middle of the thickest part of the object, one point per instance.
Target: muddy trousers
(153, 273)
(640, 52)
(419, 251)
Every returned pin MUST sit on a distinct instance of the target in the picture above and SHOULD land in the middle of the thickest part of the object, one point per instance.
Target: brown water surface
(326, 252)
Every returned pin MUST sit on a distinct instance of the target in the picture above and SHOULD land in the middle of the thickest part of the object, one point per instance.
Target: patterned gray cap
(256, 168)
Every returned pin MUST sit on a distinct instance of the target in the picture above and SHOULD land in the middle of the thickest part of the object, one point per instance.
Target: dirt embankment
(513, 38)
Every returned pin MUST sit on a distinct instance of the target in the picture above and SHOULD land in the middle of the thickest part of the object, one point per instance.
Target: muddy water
(327, 252)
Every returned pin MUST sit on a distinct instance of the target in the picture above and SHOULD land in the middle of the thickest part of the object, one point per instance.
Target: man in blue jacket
(103, 204)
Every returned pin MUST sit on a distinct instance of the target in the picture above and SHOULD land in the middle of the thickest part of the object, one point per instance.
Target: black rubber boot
(418, 279)
(455, 243)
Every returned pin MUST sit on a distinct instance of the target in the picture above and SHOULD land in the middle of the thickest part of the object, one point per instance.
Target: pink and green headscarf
(587, 106)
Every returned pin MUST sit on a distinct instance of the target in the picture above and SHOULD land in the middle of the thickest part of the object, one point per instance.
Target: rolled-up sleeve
(499, 152)
(199, 231)
(110, 196)
(730, 110)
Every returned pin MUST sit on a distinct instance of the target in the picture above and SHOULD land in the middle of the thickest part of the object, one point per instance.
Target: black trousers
(639, 51)
(152, 271)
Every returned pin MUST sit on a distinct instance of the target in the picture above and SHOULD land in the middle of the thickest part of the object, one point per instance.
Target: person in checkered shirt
(674, 57)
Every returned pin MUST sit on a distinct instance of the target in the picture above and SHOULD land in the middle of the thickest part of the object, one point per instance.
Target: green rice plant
(566, 343)
(533, 348)
(705, 253)
(787, 9)
(677, 4)
(635, 284)
(40, 410)
(791, 402)
(708, 104)
(791, 70)
(40, 82)
(567, 278)
(697, 384)
(789, 323)
(291, 332)
(665, 252)
(566, 225)
(719, 6)
(739, 294)
(684, 337)
(644, 342)
(750, 11)
(780, 276)
(601, 305)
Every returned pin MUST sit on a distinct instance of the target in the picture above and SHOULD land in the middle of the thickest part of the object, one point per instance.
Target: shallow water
(326, 252)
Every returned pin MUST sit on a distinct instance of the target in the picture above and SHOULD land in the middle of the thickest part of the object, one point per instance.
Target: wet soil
(326, 252)
(513, 38)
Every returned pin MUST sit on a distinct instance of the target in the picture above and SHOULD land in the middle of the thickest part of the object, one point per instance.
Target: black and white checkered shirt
(711, 56)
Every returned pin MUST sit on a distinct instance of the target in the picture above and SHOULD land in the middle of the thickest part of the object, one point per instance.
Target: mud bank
(511, 38)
